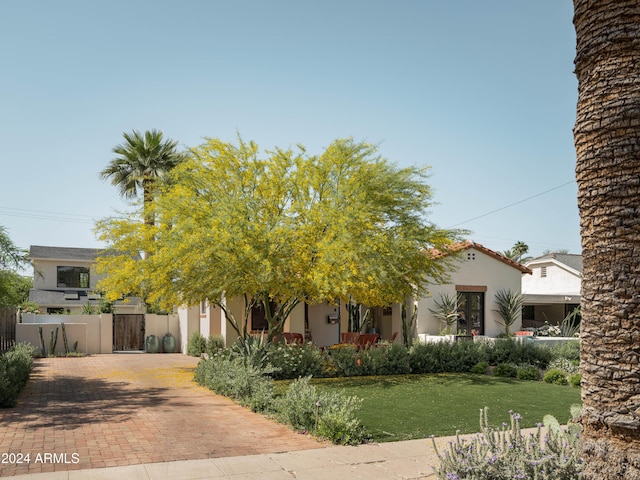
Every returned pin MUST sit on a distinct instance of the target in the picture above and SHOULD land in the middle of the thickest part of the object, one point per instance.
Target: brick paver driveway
(125, 409)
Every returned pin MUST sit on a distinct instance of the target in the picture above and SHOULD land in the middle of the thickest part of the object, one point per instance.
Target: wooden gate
(7, 328)
(128, 332)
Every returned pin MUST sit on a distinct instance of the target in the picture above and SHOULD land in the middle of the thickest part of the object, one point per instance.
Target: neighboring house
(553, 290)
(64, 280)
(480, 274)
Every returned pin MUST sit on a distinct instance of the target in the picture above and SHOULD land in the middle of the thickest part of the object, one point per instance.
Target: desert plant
(509, 308)
(447, 311)
(570, 325)
(575, 379)
(43, 351)
(196, 345)
(480, 368)
(214, 343)
(15, 367)
(528, 373)
(330, 415)
(556, 376)
(89, 309)
(53, 341)
(507, 454)
(564, 364)
(505, 370)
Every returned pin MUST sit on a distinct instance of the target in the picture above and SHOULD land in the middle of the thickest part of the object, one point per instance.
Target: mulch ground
(126, 409)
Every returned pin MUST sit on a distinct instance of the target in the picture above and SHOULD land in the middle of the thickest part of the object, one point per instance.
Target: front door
(471, 313)
(128, 332)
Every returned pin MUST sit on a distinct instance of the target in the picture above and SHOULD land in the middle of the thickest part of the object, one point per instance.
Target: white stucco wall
(482, 271)
(559, 281)
(46, 273)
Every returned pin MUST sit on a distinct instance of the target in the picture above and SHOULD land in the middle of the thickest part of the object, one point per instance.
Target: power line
(514, 203)
(48, 215)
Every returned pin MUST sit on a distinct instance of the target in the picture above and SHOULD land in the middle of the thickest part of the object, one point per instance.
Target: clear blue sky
(483, 92)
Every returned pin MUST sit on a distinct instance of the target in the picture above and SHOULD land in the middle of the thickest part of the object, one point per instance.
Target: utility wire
(514, 203)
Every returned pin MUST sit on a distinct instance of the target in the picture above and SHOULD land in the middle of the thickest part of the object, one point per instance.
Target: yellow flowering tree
(278, 229)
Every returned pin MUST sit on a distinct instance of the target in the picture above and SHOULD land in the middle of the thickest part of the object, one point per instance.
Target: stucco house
(64, 280)
(480, 274)
(553, 290)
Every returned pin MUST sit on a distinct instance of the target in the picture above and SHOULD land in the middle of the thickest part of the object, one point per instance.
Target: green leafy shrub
(575, 380)
(507, 454)
(569, 350)
(215, 343)
(196, 345)
(556, 376)
(331, 415)
(528, 373)
(343, 361)
(231, 376)
(445, 357)
(480, 368)
(15, 368)
(508, 350)
(505, 370)
(564, 364)
(292, 361)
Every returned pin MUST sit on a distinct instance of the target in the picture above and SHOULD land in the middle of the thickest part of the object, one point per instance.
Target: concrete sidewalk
(412, 459)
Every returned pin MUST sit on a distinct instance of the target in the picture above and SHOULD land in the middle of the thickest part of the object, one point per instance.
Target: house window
(203, 308)
(543, 271)
(470, 313)
(73, 277)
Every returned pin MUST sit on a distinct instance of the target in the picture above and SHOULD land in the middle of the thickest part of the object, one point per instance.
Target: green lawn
(416, 406)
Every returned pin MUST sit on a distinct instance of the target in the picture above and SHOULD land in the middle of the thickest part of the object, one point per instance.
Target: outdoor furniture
(366, 340)
(293, 338)
(350, 337)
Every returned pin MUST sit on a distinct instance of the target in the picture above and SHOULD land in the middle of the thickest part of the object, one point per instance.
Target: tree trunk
(607, 141)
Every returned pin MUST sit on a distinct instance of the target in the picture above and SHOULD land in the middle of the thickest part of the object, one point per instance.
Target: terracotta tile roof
(462, 246)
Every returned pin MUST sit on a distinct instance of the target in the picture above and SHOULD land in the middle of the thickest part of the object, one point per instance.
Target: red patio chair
(366, 340)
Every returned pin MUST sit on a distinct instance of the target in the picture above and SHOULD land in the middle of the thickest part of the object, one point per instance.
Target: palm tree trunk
(607, 141)
(147, 201)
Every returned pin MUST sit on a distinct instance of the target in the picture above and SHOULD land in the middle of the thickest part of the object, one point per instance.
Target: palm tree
(516, 253)
(606, 137)
(142, 161)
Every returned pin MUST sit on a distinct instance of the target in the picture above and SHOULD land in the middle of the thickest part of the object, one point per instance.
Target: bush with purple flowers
(506, 453)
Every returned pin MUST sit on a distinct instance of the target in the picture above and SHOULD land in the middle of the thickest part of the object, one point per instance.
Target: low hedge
(15, 368)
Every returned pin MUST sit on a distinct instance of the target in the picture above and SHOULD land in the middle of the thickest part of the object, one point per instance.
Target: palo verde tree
(279, 229)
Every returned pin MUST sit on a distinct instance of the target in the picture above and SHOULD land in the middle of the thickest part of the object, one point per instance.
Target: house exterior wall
(478, 269)
(46, 273)
(325, 333)
(559, 281)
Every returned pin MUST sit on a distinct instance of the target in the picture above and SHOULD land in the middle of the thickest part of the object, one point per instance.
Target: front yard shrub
(331, 415)
(196, 345)
(443, 357)
(292, 361)
(569, 350)
(480, 368)
(564, 364)
(343, 361)
(528, 373)
(231, 376)
(575, 380)
(508, 350)
(215, 343)
(505, 370)
(15, 368)
(556, 376)
(507, 454)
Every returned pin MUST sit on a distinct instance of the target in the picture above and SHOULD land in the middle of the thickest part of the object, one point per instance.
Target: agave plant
(447, 311)
(509, 308)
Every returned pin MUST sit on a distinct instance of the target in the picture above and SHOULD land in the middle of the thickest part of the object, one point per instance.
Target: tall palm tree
(607, 142)
(142, 161)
